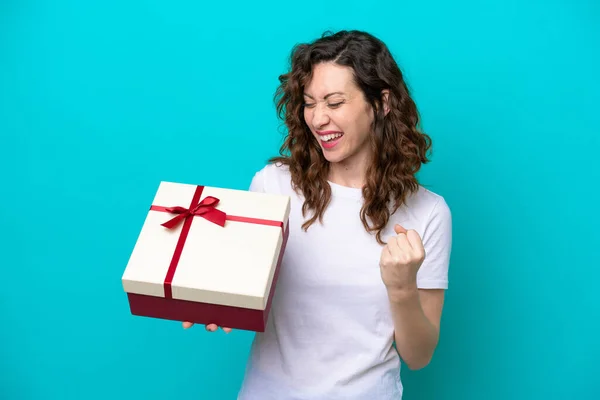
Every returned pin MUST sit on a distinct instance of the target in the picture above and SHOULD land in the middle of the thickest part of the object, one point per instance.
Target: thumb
(399, 229)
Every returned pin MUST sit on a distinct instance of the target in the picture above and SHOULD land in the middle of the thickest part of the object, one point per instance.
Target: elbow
(417, 356)
(417, 364)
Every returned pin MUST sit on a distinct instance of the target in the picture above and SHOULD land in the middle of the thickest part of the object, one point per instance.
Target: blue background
(100, 100)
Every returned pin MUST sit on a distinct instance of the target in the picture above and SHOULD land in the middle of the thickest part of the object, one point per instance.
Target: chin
(333, 156)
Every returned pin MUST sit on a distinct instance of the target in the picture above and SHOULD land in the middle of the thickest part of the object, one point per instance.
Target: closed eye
(335, 105)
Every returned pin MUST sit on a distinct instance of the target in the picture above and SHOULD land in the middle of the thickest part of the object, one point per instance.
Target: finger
(399, 229)
(187, 325)
(386, 254)
(211, 327)
(392, 248)
(415, 240)
(226, 330)
(403, 242)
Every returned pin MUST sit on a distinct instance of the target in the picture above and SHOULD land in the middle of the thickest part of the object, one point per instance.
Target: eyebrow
(326, 96)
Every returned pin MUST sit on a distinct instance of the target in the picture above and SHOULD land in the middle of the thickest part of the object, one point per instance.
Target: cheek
(344, 120)
(307, 117)
(351, 123)
(365, 122)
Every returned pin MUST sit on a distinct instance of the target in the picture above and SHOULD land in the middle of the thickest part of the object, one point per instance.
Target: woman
(363, 279)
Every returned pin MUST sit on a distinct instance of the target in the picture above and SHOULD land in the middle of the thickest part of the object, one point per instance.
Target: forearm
(416, 337)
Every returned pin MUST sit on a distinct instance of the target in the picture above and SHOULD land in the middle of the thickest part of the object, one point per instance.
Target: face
(337, 114)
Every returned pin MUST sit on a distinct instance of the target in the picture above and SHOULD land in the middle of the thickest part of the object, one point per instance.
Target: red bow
(206, 209)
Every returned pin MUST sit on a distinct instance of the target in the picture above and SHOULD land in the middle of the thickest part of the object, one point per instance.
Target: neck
(350, 173)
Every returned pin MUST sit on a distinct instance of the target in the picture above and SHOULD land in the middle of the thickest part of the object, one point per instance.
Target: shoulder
(271, 178)
(426, 204)
(433, 220)
(429, 213)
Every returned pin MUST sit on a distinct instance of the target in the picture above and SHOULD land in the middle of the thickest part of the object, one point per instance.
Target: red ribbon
(205, 209)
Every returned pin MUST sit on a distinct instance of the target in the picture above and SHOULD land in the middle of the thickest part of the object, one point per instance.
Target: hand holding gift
(209, 327)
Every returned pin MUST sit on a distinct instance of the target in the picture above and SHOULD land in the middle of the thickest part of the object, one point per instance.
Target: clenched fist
(401, 259)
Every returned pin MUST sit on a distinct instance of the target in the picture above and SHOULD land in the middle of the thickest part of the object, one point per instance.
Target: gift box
(208, 255)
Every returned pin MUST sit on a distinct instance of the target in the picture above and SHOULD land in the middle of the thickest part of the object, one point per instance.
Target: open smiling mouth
(329, 140)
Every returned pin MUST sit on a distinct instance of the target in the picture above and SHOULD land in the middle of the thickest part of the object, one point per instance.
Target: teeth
(327, 138)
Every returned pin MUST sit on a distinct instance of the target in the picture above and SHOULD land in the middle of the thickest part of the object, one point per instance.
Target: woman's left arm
(417, 311)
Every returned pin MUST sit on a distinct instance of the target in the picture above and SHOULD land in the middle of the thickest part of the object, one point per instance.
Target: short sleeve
(437, 241)
(257, 184)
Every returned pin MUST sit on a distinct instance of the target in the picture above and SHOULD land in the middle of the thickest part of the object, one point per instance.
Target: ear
(385, 95)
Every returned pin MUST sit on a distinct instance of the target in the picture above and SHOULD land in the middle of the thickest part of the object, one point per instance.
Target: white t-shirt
(330, 332)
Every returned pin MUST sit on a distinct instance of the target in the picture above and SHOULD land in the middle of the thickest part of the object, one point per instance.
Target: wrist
(403, 294)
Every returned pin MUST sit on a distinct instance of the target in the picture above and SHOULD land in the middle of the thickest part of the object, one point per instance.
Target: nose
(320, 117)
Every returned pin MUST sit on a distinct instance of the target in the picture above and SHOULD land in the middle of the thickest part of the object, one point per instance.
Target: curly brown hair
(398, 145)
